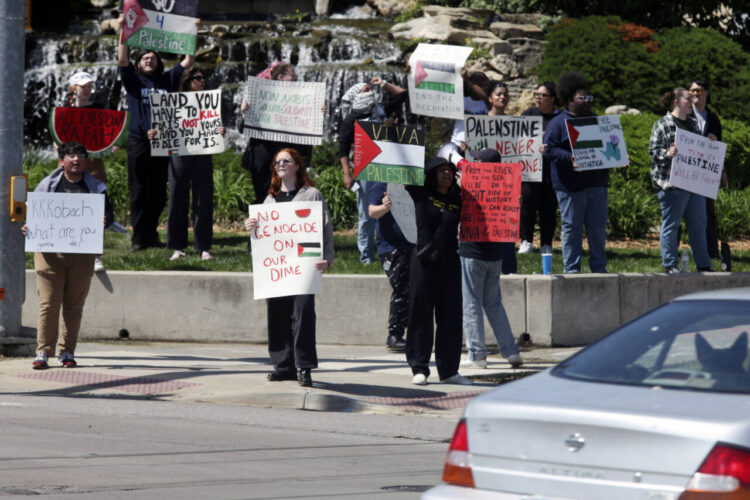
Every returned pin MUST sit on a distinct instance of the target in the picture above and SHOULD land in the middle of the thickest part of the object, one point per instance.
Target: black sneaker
(277, 376)
(395, 343)
(304, 378)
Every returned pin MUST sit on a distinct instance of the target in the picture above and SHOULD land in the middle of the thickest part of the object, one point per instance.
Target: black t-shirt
(65, 186)
(284, 196)
(437, 218)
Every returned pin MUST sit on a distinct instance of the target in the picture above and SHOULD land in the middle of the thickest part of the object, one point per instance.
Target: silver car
(659, 409)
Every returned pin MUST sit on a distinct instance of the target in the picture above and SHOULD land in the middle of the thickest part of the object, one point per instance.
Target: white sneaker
(525, 247)
(514, 360)
(474, 363)
(177, 254)
(419, 379)
(457, 379)
(205, 255)
(546, 249)
(98, 265)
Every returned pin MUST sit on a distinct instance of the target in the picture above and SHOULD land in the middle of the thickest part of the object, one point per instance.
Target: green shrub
(733, 214)
(736, 135)
(342, 203)
(633, 210)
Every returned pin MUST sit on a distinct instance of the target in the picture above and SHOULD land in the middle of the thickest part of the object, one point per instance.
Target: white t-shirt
(700, 120)
(471, 107)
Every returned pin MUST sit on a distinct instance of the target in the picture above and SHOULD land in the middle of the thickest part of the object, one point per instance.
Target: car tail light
(458, 462)
(724, 474)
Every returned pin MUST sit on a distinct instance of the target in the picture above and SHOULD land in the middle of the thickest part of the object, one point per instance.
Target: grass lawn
(230, 254)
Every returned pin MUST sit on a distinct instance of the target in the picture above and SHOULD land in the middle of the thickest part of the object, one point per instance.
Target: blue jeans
(365, 225)
(578, 209)
(676, 203)
(480, 289)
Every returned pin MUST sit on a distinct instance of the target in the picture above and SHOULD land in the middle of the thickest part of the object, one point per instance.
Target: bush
(733, 214)
(633, 210)
(736, 135)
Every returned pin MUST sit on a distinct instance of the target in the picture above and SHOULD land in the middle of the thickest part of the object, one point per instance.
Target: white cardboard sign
(402, 209)
(65, 223)
(698, 164)
(435, 84)
(597, 142)
(187, 123)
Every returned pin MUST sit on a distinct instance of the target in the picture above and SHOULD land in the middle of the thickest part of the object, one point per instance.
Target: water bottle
(684, 263)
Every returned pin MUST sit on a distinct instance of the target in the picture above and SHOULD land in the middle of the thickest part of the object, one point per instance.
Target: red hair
(302, 178)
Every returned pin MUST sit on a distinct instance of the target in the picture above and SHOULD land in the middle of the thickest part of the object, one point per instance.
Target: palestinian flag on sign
(437, 76)
(389, 154)
(161, 25)
(576, 126)
(308, 249)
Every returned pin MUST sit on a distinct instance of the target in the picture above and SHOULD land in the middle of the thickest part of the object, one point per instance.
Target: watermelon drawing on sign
(99, 130)
(303, 213)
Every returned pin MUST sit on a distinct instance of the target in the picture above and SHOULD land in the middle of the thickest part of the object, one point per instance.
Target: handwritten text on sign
(435, 84)
(187, 123)
(516, 138)
(597, 142)
(698, 164)
(65, 223)
(160, 25)
(490, 201)
(287, 242)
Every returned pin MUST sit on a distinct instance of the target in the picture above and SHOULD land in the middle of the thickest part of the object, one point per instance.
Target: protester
(676, 202)
(63, 279)
(291, 319)
(394, 252)
(147, 175)
(476, 90)
(435, 277)
(190, 173)
(539, 197)
(582, 195)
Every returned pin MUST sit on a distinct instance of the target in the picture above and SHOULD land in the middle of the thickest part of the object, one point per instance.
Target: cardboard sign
(597, 142)
(403, 211)
(490, 202)
(187, 123)
(517, 139)
(393, 154)
(285, 111)
(161, 25)
(98, 130)
(65, 223)
(287, 242)
(435, 84)
(698, 164)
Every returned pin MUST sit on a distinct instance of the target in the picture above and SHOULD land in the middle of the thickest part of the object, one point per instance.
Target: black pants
(435, 290)
(186, 174)
(147, 181)
(396, 265)
(291, 332)
(538, 197)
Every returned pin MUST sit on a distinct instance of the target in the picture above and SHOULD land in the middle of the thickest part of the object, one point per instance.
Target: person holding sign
(63, 279)
(147, 175)
(582, 195)
(291, 319)
(676, 203)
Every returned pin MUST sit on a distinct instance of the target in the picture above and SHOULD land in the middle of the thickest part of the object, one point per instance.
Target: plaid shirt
(662, 138)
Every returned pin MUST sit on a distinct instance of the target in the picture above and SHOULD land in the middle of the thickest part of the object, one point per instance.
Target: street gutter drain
(409, 488)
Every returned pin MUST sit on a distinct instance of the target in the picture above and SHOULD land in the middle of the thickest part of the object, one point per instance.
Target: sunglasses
(541, 94)
(696, 91)
(283, 161)
(198, 78)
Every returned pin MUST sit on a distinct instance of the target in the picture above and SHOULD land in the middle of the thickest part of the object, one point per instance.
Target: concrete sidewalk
(349, 378)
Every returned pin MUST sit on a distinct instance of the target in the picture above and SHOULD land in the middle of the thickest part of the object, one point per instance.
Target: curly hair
(568, 83)
(159, 63)
(302, 178)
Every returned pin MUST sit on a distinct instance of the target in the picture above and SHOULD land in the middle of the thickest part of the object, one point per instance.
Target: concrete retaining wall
(353, 309)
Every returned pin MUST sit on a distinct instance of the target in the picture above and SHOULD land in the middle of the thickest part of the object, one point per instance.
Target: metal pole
(12, 260)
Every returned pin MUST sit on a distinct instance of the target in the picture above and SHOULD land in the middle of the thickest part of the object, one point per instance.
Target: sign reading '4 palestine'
(597, 142)
(392, 153)
(698, 164)
(186, 123)
(287, 242)
(98, 130)
(161, 25)
(435, 84)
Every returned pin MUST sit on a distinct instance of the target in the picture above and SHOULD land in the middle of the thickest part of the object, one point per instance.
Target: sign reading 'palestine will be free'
(161, 25)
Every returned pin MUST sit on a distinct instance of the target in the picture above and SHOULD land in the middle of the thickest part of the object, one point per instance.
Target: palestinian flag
(308, 250)
(389, 154)
(437, 76)
(575, 126)
(161, 25)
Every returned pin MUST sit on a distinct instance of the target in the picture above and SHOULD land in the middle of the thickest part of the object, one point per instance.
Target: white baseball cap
(81, 78)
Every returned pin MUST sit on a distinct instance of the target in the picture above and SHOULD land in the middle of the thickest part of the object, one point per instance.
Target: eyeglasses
(696, 91)
(283, 161)
(198, 78)
(541, 95)
(74, 155)
(585, 98)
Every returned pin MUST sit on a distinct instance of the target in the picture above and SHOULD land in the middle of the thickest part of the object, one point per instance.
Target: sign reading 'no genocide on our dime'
(597, 142)
(435, 84)
(698, 164)
(287, 242)
(285, 111)
(161, 25)
(392, 153)
(65, 223)
(186, 123)
(490, 201)
(98, 130)
(517, 139)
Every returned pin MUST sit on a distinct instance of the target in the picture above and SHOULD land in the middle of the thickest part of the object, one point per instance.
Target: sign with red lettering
(186, 123)
(490, 201)
(698, 164)
(518, 139)
(287, 242)
(99, 130)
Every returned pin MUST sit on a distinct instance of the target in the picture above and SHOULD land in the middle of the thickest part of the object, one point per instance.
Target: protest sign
(698, 164)
(161, 25)
(186, 123)
(65, 223)
(597, 142)
(435, 84)
(287, 242)
(402, 209)
(392, 153)
(98, 130)
(490, 201)
(285, 111)
(518, 139)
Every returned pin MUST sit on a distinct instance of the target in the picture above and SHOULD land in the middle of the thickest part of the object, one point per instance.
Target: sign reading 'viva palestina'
(65, 223)
(393, 153)
(287, 242)
(435, 84)
(518, 139)
(698, 164)
(161, 25)
(597, 142)
(186, 123)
